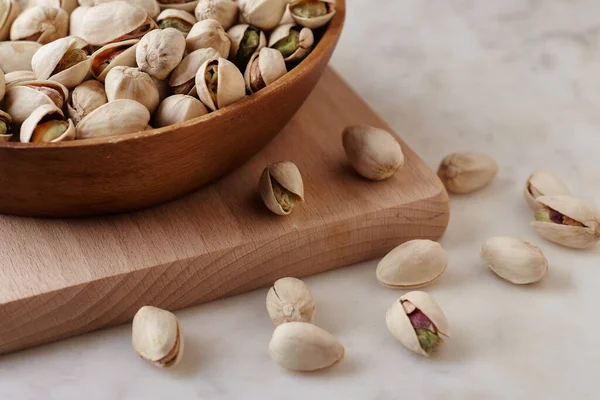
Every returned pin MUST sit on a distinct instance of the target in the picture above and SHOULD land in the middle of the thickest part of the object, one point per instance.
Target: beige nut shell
(264, 14)
(189, 66)
(106, 22)
(208, 33)
(133, 84)
(46, 59)
(37, 115)
(271, 65)
(288, 176)
(157, 337)
(305, 43)
(114, 118)
(178, 108)
(225, 12)
(543, 183)
(467, 172)
(231, 86)
(160, 51)
(187, 6)
(514, 259)
(290, 299)
(52, 23)
(9, 11)
(20, 100)
(17, 55)
(85, 98)
(236, 34)
(124, 59)
(316, 22)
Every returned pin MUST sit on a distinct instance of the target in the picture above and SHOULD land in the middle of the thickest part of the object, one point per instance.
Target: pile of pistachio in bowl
(76, 70)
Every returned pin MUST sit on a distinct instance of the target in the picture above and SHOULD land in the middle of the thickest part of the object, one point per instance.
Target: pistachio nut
(467, 172)
(47, 124)
(64, 60)
(413, 264)
(178, 19)
(312, 14)
(115, 21)
(121, 54)
(543, 184)
(219, 83)
(156, 336)
(85, 98)
(264, 68)
(281, 187)
(225, 12)
(514, 259)
(164, 90)
(208, 33)
(290, 300)
(287, 17)
(16, 56)
(417, 322)
(293, 41)
(15, 77)
(374, 153)
(160, 51)
(76, 21)
(183, 77)
(150, 6)
(133, 84)
(185, 5)
(5, 126)
(245, 41)
(9, 11)
(567, 221)
(67, 5)
(263, 14)
(40, 24)
(301, 346)
(178, 108)
(2, 85)
(117, 117)
(23, 98)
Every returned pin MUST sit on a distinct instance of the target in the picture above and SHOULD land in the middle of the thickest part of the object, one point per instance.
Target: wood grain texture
(61, 277)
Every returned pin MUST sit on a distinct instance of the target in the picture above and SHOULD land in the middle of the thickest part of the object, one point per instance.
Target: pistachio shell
(157, 337)
(76, 20)
(115, 22)
(178, 108)
(287, 17)
(22, 99)
(126, 57)
(313, 22)
(467, 172)
(543, 184)
(47, 58)
(172, 13)
(15, 77)
(164, 90)
(16, 56)
(186, 71)
(40, 24)
(264, 14)
(301, 346)
(133, 84)
(2, 85)
(85, 98)
(150, 6)
(5, 131)
(290, 300)
(231, 87)
(305, 41)
(270, 67)
(413, 264)
(114, 118)
(208, 33)
(225, 12)
(236, 34)
(47, 111)
(514, 259)
(9, 10)
(281, 187)
(187, 5)
(67, 5)
(160, 51)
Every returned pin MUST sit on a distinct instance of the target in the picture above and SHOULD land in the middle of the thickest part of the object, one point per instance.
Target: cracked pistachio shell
(543, 184)
(231, 87)
(178, 108)
(301, 346)
(236, 34)
(121, 54)
(186, 5)
(287, 17)
(150, 6)
(467, 172)
(2, 85)
(413, 264)
(133, 84)
(290, 300)
(299, 13)
(15, 77)
(5, 131)
(208, 33)
(263, 14)
(399, 324)
(9, 11)
(374, 153)
(67, 5)
(183, 78)
(85, 98)
(23, 98)
(581, 232)
(281, 187)
(225, 12)
(16, 56)
(160, 51)
(76, 21)
(47, 58)
(117, 117)
(264, 68)
(40, 24)
(156, 336)
(296, 49)
(48, 113)
(178, 19)
(514, 259)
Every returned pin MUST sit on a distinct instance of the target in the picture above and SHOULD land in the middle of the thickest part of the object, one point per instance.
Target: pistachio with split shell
(567, 221)
(67, 5)
(114, 118)
(245, 41)
(312, 14)
(2, 85)
(5, 126)
(40, 24)
(150, 6)
(23, 98)
(413, 264)
(208, 33)
(287, 17)
(64, 60)
(47, 124)
(264, 68)
(15, 77)
(263, 14)
(121, 54)
(85, 98)
(543, 184)
(178, 108)
(514, 259)
(417, 322)
(178, 19)
(133, 84)
(219, 83)
(290, 300)
(76, 21)
(467, 172)
(9, 11)
(183, 78)
(293, 41)
(224, 12)
(16, 56)
(185, 5)
(301, 346)
(160, 51)
(374, 153)
(281, 187)
(157, 336)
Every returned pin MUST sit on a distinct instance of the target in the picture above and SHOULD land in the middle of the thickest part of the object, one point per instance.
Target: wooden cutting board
(63, 277)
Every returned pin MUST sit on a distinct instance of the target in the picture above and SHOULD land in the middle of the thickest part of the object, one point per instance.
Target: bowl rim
(328, 40)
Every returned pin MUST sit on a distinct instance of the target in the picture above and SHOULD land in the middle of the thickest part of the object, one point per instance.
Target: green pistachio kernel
(310, 9)
(248, 46)
(289, 44)
(285, 198)
(212, 80)
(178, 24)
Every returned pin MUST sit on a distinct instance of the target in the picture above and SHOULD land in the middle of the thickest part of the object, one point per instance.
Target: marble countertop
(518, 79)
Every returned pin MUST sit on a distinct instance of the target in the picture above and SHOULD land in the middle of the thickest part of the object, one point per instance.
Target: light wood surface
(61, 277)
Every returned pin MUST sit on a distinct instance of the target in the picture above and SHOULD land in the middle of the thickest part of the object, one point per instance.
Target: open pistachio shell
(15, 77)
(219, 83)
(2, 85)
(65, 60)
(264, 68)
(114, 118)
(312, 14)
(290, 300)
(150, 6)
(287, 17)
(67, 5)
(16, 56)
(185, 5)
(245, 41)
(263, 14)
(281, 187)
(178, 108)
(224, 12)
(76, 21)
(413, 264)
(160, 51)
(47, 124)
(133, 84)
(9, 10)
(178, 19)
(157, 336)
(23, 98)
(514, 259)
(183, 78)
(543, 184)
(121, 54)
(85, 98)
(40, 24)
(467, 172)
(293, 41)
(208, 33)
(5, 126)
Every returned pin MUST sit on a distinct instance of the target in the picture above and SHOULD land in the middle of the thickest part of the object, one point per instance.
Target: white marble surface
(517, 79)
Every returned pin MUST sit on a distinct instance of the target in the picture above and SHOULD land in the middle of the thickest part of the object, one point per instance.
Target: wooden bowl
(133, 171)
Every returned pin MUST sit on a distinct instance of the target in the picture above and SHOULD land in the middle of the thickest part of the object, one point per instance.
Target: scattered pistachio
(157, 337)
(543, 184)
(514, 259)
(281, 187)
(467, 172)
(290, 300)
